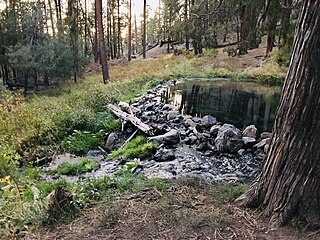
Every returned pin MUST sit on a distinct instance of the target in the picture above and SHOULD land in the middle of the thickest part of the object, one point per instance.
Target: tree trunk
(51, 19)
(136, 34)
(289, 184)
(186, 27)
(103, 52)
(130, 30)
(144, 41)
(95, 45)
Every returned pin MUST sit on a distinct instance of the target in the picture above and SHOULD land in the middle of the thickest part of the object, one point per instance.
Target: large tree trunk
(144, 40)
(103, 52)
(289, 184)
(130, 30)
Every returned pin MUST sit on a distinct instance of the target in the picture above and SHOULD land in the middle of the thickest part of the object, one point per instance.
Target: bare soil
(188, 209)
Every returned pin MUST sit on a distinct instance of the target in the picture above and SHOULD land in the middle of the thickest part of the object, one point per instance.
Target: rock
(172, 115)
(266, 135)
(168, 107)
(229, 138)
(262, 143)
(250, 131)
(111, 142)
(94, 153)
(241, 152)
(208, 121)
(171, 137)
(204, 147)
(191, 140)
(214, 130)
(164, 155)
(196, 119)
(189, 123)
(248, 140)
(124, 106)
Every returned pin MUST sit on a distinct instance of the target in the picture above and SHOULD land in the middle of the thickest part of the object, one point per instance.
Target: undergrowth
(74, 169)
(136, 148)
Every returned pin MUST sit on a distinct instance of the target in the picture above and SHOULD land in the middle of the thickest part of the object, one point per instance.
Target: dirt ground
(188, 209)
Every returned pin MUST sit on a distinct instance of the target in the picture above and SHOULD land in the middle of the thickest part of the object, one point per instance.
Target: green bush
(74, 169)
(136, 148)
(81, 142)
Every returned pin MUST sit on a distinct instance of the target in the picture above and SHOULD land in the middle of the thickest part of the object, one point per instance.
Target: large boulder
(208, 121)
(214, 130)
(172, 115)
(111, 142)
(169, 138)
(229, 139)
(250, 131)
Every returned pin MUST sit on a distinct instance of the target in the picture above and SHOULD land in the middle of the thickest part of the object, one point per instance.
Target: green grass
(80, 142)
(136, 148)
(75, 169)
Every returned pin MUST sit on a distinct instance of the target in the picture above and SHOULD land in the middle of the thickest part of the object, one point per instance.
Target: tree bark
(289, 184)
(144, 41)
(103, 51)
(130, 30)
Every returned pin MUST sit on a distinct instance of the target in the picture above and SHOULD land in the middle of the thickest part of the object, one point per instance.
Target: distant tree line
(45, 41)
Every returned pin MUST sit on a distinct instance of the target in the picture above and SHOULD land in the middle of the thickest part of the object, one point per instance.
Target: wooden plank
(133, 119)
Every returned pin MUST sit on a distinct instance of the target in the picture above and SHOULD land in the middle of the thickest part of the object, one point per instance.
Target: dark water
(237, 102)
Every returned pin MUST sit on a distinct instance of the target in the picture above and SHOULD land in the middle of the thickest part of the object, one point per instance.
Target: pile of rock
(212, 145)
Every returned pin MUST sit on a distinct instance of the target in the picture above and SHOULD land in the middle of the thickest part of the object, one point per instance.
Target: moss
(74, 169)
(136, 148)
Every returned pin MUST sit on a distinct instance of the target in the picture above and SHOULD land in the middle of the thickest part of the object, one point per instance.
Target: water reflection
(235, 102)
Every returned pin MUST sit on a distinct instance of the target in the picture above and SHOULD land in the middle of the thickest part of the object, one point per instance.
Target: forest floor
(189, 208)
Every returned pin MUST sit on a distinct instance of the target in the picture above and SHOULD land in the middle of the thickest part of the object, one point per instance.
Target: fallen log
(133, 119)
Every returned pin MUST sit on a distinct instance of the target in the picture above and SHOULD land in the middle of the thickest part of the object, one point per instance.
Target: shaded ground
(188, 209)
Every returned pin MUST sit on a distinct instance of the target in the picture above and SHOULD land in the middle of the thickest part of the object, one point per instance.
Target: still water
(240, 103)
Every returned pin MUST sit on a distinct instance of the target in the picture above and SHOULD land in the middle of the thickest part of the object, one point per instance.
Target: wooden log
(133, 119)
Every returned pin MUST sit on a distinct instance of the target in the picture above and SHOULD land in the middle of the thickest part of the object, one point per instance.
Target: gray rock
(124, 106)
(196, 119)
(189, 123)
(262, 143)
(191, 140)
(214, 130)
(111, 141)
(164, 155)
(203, 147)
(172, 115)
(171, 137)
(250, 131)
(168, 107)
(241, 152)
(266, 135)
(208, 121)
(229, 138)
(248, 140)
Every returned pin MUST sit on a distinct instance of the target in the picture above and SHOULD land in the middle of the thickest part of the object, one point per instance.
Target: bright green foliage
(75, 169)
(112, 125)
(136, 148)
(81, 142)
